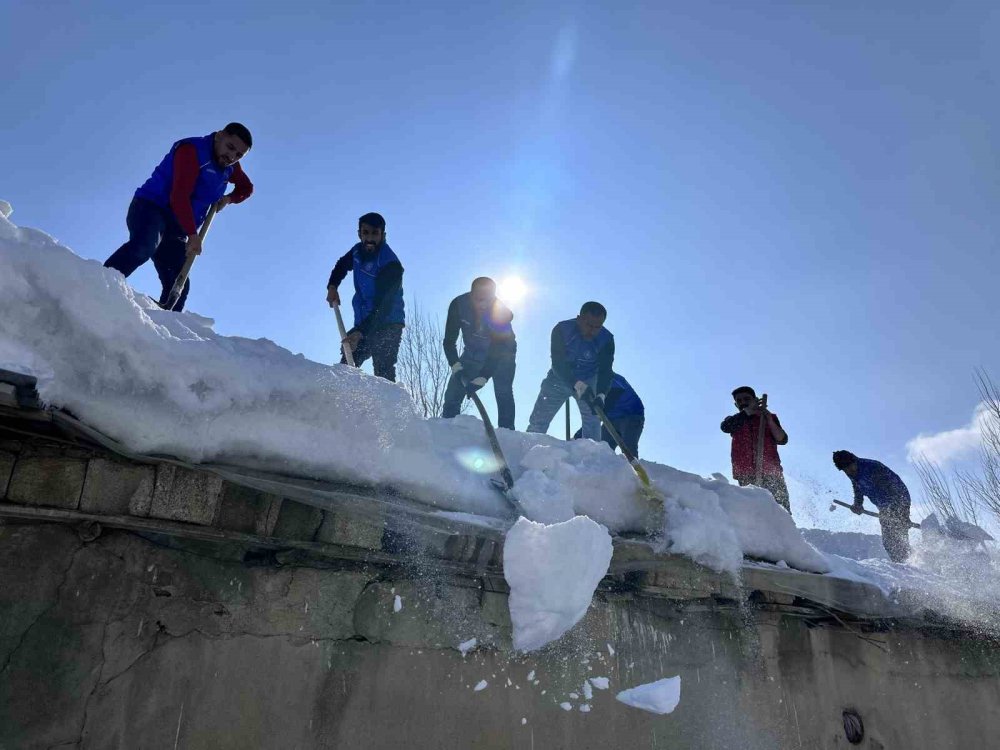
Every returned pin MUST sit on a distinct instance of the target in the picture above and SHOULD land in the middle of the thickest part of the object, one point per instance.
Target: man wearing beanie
(881, 485)
(744, 428)
(167, 209)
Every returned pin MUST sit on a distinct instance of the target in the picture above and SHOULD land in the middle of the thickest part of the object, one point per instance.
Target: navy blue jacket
(622, 400)
(378, 286)
(880, 484)
(211, 185)
(483, 336)
(574, 358)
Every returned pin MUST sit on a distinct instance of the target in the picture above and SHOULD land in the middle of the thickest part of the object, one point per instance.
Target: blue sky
(803, 199)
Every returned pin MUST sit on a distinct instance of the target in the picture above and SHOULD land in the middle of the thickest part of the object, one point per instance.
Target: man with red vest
(744, 427)
(167, 209)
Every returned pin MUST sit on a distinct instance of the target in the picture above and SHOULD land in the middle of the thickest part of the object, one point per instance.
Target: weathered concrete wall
(125, 642)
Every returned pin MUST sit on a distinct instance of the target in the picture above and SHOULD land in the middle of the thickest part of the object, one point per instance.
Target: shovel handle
(348, 354)
(182, 277)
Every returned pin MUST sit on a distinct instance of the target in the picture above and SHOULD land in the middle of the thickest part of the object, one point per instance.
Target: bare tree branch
(422, 367)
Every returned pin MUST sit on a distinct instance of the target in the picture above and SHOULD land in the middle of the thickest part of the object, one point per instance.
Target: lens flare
(512, 289)
(477, 460)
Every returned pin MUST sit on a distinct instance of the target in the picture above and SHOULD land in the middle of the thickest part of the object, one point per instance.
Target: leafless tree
(422, 367)
(976, 491)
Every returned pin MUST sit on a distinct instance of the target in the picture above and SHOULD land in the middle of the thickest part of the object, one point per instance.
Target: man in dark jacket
(744, 427)
(583, 352)
(627, 414)
(888, 493)
(379, 314)
(167, 209)
(489, 350)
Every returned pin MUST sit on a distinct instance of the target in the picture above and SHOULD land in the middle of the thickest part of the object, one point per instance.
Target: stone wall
(145, 604)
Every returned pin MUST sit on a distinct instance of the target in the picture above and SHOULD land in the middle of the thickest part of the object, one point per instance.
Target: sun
(512, 289)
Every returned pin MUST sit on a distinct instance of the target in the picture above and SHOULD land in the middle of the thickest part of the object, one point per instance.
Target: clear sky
(799, 197)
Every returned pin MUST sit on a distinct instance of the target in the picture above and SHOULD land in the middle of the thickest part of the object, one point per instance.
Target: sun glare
(511, 289)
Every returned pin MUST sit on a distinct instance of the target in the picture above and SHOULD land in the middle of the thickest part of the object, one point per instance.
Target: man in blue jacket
(886, 490)
(168, 208)
(378, 297)
(583, 352)
(489, 350)
(627, 414)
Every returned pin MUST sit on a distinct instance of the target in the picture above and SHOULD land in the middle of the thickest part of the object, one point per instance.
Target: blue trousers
(501, 369)
(551, 396)
(153, 232)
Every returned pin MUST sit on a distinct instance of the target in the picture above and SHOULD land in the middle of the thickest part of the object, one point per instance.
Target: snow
(552, 571)
(588, 691)
(660, 697)
(585, 708)
(481, 685)
(397, 603)
(566, 706)
(531, 675)
(601, 683)
(466, 646)
(167, 384)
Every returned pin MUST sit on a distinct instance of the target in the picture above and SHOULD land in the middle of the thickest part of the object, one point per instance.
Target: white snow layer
(166, 383)
(660, 697)
(552, 571)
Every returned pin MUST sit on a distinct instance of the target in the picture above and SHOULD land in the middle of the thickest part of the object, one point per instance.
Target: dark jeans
(382, 346)
(630, 429)
(773, 483)
(153, 232)
(895, 522)
(501, 369)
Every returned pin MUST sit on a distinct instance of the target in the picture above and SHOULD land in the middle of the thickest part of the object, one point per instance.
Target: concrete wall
(217, 612)
(125, 642)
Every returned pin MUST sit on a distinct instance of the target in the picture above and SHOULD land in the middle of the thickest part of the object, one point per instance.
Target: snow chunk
(601, 683)
(588, 691)
(397, 603)
(481, 685)
(467, 646)
(566, 706)
(531, 675)
(660, 697)
(552, 572)
(585, 708)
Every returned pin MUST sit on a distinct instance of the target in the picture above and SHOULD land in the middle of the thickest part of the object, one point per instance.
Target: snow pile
(166, 383)
(552, 572)
(660, 697)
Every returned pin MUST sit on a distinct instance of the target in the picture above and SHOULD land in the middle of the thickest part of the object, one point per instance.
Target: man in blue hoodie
(168, 208)
(489, 350)
(583, 352)
(627, 414)
(378, 297)
(886, 490)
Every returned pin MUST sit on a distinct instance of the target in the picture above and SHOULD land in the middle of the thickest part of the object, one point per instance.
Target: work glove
(471, 386)
(580, 388)
(456, 367)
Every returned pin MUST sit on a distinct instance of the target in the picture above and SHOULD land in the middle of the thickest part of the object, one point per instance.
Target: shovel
(182, 277)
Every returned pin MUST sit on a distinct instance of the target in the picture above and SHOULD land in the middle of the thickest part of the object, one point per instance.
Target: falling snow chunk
(524, 720)
(574, 696)
(585, 708)
(552, 571)
(397, 604)
(588, 691)
(531, 675)
(466, 646)
(660, 697)
(601, 683)
(566, 706)
(611, 650)
(481, 685)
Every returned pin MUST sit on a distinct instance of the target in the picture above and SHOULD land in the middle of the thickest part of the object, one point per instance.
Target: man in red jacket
(744, 428)
(167, 209)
